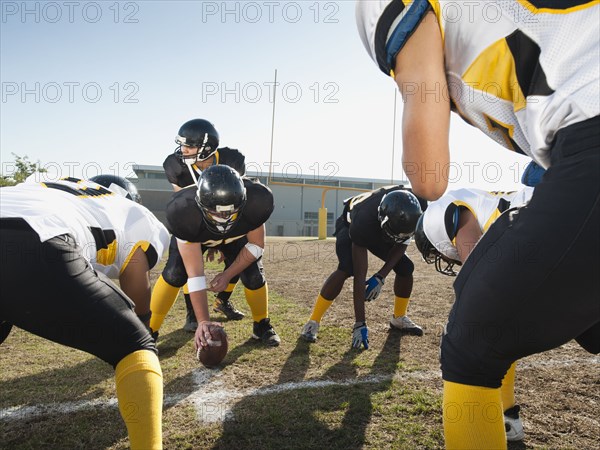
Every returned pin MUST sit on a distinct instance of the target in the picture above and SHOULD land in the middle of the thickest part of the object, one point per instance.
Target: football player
(381, 222)
(227, 213)
(447, 233)
(528, 77)
(198, 142)
(68, 237)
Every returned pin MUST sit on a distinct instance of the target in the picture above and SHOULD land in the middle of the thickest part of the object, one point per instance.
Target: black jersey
(178, 173)
(361, 216)
(185, 220)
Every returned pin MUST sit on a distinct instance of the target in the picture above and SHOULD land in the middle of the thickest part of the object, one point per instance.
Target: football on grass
(212, 355)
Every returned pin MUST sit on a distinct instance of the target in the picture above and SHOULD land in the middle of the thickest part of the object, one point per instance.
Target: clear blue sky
(92, 87)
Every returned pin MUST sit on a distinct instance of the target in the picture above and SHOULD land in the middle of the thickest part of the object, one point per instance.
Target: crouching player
(62, 240)
(224, 212)
(446, 235)
(381, 222)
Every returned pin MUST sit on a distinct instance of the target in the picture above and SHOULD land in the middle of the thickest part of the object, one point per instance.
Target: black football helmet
(398, 213)
(200, 134)
(119, 185)
(432, 255)
(221, 197)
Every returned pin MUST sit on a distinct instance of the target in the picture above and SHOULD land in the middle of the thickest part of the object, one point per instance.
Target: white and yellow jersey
(107, 226)
(440, 220)
(519, 70)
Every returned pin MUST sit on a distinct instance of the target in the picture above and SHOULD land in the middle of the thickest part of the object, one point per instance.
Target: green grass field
(298, 395)
(294, 396)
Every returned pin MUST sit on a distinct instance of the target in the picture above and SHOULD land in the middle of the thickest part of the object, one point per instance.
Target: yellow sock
(473, 417)
(320, 308)
(507, 390)
(258, 301)
(140, 393)
(163, 297)
(400, 306)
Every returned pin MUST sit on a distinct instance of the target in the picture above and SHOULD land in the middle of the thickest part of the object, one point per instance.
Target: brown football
(216, 351)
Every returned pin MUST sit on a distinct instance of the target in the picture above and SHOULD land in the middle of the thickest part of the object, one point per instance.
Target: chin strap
(192, 171)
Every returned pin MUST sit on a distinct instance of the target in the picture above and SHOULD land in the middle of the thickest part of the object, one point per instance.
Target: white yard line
(213, 402)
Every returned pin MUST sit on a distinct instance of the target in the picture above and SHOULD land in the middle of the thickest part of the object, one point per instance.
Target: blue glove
(373, 287)
(360, 335)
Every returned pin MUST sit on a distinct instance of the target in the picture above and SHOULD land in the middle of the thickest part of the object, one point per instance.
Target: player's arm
(374, 284)
(468, 234)
(360, 264)
(134, 280)
(421, 78)
(250, 253)
(393, 259)
(191, 254)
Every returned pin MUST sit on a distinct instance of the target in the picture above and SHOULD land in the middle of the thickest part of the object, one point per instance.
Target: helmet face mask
(448, 270)
(220, 221)
(432, 255)
(221, 197)
(395, 237)
(398, 213)
(198, 134)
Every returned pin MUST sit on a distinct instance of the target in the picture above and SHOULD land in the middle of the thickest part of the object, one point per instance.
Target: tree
(21, 170)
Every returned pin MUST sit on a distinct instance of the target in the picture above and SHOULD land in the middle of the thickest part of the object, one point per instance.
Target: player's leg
(512, 420)
(511, 293)
(190, 324)
(167, 286)
(71, 305)
(257, 294)
(333, 284)
(223, 303)
(590, 339)
(403, 284)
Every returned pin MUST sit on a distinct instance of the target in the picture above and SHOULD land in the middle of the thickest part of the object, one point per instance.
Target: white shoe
(310, 330)
(513, 424)
(404, 324)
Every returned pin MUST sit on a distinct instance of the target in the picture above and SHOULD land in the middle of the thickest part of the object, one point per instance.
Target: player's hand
(373, 287)
(219, 283)
(207, 332)
(212, 253)
(360, 335)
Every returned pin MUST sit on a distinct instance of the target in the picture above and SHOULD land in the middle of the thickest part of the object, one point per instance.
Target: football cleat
(228, 308)
(264, 332)
(404, 324)
(310, 330)
(513, 424)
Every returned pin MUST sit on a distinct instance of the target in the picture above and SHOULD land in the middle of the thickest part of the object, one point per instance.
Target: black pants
(532, 283)
(252, 277)
(50, 290)
(343, 251)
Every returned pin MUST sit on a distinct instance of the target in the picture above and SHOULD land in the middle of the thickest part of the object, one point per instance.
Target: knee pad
(174, 273)
(253, 276)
